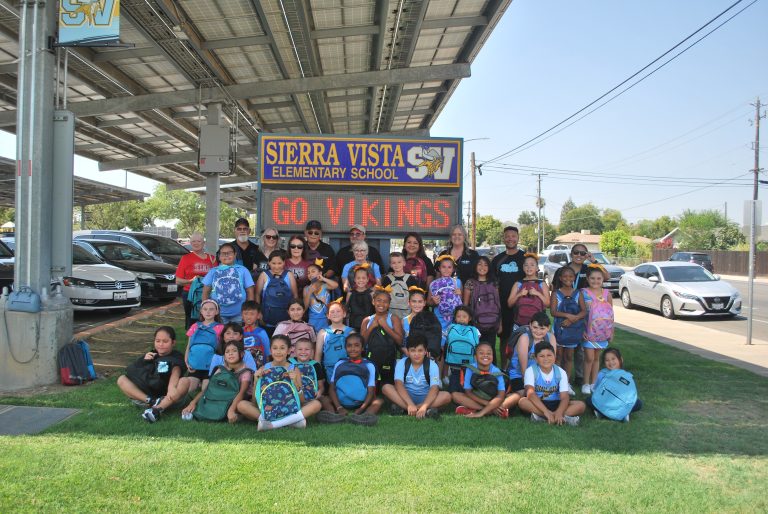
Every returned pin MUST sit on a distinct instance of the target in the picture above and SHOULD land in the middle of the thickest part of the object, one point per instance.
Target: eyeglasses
(269, 236)
(296, 247)
(578, 252)
(313, 232)
(226, 253)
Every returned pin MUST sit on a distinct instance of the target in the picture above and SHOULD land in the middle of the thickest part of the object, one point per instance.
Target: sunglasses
(296, 247)
(579, 252)
(269, 236)
(313, 232)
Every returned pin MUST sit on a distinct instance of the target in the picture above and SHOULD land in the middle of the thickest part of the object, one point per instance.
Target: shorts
(551, 405)
(418, 399)
(515, 385)
(454, 380)
(596, 345)
(568, 346)
(200, 374)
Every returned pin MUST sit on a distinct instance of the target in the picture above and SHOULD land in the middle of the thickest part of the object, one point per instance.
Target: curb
(85, 334)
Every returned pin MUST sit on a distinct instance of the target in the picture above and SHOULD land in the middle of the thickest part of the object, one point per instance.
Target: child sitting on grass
(156, 374)
(417, 383)
(313, 374)
(484, 386)
(546, 388)
(623, 386)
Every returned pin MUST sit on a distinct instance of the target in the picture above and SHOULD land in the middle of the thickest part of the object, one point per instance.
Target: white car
(679, 289)
(95, 285)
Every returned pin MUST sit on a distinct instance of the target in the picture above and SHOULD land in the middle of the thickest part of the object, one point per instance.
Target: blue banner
(89, 22)
(363, 161)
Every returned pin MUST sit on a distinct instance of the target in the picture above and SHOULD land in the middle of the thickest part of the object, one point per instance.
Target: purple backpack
(443, 288)
(484, 301)
(600, 318)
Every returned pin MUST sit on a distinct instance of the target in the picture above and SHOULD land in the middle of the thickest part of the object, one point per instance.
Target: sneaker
(626, 419)
(396, 410)
(264, 425)
(585, 389)
(502, 412)
(367, 420)
(141, 403)
(598, 415)
(432, 414)
(152, 414)
(187, 416)
(463, 411)
(571, 420)
(571, 392)
(326, 416)
(300, 424)
(156, 401)
(446, 381)
(536, 418)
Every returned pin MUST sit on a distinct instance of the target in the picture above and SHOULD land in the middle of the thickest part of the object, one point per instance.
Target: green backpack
(218, 396)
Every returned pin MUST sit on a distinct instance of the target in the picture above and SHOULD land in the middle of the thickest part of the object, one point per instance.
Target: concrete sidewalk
(701, 340)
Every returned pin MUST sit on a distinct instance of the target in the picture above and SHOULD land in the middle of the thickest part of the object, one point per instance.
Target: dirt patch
(715, 411)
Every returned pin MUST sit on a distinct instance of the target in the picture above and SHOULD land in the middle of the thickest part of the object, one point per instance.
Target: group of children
(339, 360)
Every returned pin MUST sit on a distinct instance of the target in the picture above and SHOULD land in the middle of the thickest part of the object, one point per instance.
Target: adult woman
(229, 284)
(297, 260)
(465, 257)
(268, 243)
(360, 251)
(195, 264)
(416, 261)
(580, 259)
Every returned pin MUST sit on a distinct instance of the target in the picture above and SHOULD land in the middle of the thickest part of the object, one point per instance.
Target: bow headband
(364, 266)
(531, 254)
(386, 289)
(444, 257)
(319, 262)
(416, 289)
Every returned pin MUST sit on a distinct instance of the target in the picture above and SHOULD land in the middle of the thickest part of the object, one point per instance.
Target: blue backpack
(275, 298)
(309, 383)
(573, 334)
(334, 348)
(460, 344)
(615, 394)
(202, 345)
(351, 382)
(195, 297)
(276, 396)
(226, 285)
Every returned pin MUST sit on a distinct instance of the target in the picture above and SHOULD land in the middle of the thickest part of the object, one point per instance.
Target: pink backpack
(600, 318)
(526, 306)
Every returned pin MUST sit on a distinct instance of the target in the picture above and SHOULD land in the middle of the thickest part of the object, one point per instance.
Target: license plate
(717, 306)
(119, 297)
(172, 288)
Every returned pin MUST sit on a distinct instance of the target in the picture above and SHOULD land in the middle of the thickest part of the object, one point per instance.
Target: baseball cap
(357, 227)
(242, 221)
(314, 224)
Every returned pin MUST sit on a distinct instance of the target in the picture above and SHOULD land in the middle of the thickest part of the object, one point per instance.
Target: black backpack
(382, 351)
(485, 384)
(426, 324)
(359, 306)
(75, 364)
(427, 363)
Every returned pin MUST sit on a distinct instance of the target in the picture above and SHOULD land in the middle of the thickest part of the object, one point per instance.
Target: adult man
(345, 255)
(317, 249)
(508, 268)
(247, 253)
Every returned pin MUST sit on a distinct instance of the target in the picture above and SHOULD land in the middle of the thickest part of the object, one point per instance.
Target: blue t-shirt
(257, 336)
(415, 382)
(245, 280)
(493, 369)
(371, 373)
(218, 360)
(373, 267)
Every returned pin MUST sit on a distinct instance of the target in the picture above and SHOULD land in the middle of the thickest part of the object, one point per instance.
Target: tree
(185, 206)
(728, 237)
(527, 218)
(118, 215)
(528, 235)
(584, 217)
(7, 214)
(489, 230)
(707, 230)
(617, 242)
(227, 218)
(568, 206)
(613, 220)
(654, 229)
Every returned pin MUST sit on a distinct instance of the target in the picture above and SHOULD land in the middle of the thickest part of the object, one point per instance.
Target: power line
(524, 146)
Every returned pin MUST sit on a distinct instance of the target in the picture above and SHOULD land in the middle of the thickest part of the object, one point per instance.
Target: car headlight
(146, 276)
(736, 295)
(686, 295)
(78, 282)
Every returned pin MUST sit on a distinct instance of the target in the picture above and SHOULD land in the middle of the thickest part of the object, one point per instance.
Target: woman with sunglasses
(297, 262)
(268, 243)
(581, 258)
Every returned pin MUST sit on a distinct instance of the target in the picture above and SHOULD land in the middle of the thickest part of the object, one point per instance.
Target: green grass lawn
(699, 445)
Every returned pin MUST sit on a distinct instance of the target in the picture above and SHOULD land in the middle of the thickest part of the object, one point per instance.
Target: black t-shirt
(345, 256)
(324, 251)
(508, 270)
(465, 265)
(249, 257)
(163, 368)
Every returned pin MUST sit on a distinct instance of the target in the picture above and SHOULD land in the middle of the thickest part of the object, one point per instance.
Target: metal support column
(61, 202)
(212, 192)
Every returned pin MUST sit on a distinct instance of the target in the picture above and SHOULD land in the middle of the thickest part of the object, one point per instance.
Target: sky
(681, 139)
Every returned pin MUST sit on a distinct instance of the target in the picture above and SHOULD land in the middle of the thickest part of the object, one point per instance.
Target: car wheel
(667, 308)
(626, 301)
(124, 310)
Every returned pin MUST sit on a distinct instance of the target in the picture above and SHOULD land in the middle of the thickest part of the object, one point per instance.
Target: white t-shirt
(529, 379)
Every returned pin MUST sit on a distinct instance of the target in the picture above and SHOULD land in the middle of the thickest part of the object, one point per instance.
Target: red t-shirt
(191, 266)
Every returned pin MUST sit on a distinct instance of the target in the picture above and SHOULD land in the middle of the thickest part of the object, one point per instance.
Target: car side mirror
(717, 277)
(654, 278)
(613, 262)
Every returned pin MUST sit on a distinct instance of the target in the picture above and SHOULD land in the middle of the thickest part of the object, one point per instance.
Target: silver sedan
(678, 289)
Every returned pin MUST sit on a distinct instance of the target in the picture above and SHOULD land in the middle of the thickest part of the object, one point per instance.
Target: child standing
(599, 330)
(317, 295)
(529, 296)
(203, 338)
(624, 384)
(423, 322)
(383, 335)
(546, 387)
(445, 291)
(274, 290)
(483, 387)
(331, 340)
(359, 299)
(481, 294)
(460, 346)
(568, 310)
(255, 338)
(400, 282)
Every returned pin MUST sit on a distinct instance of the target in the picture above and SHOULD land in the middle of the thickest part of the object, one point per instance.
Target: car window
(600, 258)
(701, 257)
(161, 245)
(653, 271)
(5, 252)
(121, 252)
(675, 257)
(641, 271)
(81, 256)
(687, 274)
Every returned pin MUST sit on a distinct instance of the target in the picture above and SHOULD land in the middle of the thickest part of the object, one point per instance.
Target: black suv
(702, 259)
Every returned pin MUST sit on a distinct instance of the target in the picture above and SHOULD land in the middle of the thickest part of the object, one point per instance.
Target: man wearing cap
(317, 249)
(345, 255)
(247, 253)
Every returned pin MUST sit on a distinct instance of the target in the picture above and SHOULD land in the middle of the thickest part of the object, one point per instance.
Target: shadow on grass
(693, 406)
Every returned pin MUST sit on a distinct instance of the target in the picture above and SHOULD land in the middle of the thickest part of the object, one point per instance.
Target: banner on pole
(89, 22)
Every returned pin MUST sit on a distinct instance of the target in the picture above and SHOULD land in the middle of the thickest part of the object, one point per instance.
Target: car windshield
(4, 252)
(161, 245)
(700, 257)
(600, 258)
(686, 274)
(542, 259)
(81, 256)
(120, 252)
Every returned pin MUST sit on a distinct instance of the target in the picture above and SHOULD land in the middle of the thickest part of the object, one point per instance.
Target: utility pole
(539, 204)
(474, 201)
(469, 214)
(752, 228)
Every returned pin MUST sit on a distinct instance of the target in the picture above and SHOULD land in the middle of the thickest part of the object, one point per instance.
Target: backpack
(351, 382)
(382, 351)
(570, 335)
(460, 344)
(443, 288)
(600, 318)
(255, 346)
(275, 298)
(555, 380)
(359, 305)
(416, 267)
(276, 395)
(144, 375)
(222, 388)
(485, 384)
(227, 289)
(399, 296)
(334, 348)
(309, 379)
(427, 324)
(75, 364)
(615, 394)
(202, 345)
(195, 297)
(514, 361)
(484, 302)
(296, 330)
(527, 306)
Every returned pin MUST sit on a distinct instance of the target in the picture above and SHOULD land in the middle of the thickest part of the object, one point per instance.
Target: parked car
(483, 250)
(157, 279)
(559, 258)
(95, 285)
(6, 266)
(542, 260)
(553, 247)
(702, 259)
(160, 248)
(496, 250)
(679, 289)
(10, 242)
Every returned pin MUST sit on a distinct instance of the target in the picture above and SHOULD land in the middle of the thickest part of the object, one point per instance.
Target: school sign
(388, 185)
